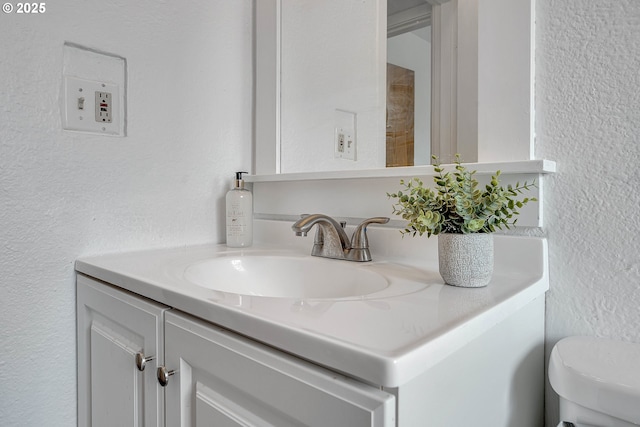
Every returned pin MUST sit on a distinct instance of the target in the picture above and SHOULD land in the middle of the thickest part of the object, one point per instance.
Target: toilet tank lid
(599, 374)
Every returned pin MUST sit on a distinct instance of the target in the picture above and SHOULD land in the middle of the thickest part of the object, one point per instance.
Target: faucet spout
(331, 240)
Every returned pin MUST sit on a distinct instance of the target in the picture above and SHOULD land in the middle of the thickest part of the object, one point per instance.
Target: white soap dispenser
(239, 215)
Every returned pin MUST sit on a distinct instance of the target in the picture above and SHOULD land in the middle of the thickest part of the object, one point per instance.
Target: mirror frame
(482, 81)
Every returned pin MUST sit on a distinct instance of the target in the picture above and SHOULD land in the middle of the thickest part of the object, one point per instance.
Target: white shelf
(519, 167)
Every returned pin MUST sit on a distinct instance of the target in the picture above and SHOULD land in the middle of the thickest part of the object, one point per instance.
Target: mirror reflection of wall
(408, 124)
(332, 59)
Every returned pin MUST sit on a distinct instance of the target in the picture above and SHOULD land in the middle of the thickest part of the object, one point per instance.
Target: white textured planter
(466, 260)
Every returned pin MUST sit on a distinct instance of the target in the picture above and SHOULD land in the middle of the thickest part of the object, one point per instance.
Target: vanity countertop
(384, 340)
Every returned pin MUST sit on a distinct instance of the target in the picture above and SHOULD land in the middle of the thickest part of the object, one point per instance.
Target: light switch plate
(345, 135)
(83, 102)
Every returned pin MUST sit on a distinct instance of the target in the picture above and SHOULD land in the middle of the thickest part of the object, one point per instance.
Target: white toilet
(598, 381)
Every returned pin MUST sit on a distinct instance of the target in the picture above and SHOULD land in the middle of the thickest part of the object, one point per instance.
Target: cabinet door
(223, 379)
(113, 327)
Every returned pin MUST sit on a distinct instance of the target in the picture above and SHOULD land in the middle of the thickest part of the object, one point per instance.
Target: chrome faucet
(331, 240)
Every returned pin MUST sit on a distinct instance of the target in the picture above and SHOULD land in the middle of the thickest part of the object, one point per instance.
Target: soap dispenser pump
(239, 215)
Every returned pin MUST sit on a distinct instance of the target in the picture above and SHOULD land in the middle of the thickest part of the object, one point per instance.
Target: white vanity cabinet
(416, 354)
(214, 377)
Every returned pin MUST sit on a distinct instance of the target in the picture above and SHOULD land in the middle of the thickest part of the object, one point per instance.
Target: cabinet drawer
(224, 379)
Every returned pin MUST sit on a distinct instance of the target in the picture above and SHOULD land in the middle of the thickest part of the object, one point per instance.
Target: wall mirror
(383, 83)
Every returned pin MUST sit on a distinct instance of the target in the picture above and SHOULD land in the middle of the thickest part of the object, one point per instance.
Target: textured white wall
(63, 195)
(588, 121)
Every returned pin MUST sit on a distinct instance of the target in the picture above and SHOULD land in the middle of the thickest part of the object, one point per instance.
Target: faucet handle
(359, 239)
(375, 220)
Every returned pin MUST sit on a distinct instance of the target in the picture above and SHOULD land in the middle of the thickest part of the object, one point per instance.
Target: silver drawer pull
(163, 375)
(141, 360)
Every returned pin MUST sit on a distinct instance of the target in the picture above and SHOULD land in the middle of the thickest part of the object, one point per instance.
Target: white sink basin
(285, 276)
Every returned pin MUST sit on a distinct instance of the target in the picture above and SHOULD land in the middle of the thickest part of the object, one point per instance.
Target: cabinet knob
(141, 360)
(163, 375)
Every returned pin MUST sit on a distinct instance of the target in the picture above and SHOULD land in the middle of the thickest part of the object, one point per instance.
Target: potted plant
(463, 215)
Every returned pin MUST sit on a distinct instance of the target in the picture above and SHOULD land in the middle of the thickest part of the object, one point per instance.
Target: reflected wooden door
(400, 114)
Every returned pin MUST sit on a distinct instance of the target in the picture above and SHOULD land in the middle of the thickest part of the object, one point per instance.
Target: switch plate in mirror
(345, 135)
